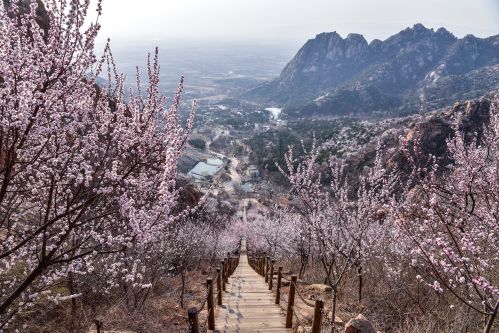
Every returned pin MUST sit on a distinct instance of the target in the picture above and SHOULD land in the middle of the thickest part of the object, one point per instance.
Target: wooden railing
(264, 266)
(226, 269)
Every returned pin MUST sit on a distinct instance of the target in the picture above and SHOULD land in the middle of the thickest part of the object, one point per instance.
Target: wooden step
(248, 305)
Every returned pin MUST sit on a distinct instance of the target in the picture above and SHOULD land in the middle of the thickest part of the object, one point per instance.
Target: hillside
(331, 75)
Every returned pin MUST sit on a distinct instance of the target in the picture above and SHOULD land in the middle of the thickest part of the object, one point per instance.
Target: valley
(257, 125)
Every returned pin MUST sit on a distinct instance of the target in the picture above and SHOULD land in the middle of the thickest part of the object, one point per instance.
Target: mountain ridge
(331, 75)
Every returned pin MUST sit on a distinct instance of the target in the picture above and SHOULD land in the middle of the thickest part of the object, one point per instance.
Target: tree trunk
(492, 317)
(303, 263)
(182, 275)
(333, 311)
(215, 247)
(73, 290)
(327, 269)
(359, 271)
(303, 268)
(26, 283)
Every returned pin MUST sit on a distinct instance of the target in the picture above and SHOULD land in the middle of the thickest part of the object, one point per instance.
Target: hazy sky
(291, 21)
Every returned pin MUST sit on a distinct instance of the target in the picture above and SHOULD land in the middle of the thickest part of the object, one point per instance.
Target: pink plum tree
(448, 224)
(87, 177)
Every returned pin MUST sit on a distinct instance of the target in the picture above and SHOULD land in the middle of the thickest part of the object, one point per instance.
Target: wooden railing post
(192, 314)
(219, 286)
(211, 308)
(316, 325)
(271, 275)
(278, 287)
(291, 302)
(223, 270)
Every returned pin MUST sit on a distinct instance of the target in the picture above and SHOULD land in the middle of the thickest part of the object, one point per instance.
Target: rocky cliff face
(42, 19)
(429, 132)
(334, 76)
(325, 61)
(432, 132)
(41, 13)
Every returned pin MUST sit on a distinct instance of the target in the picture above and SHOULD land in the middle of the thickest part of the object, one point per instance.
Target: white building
(204, 170)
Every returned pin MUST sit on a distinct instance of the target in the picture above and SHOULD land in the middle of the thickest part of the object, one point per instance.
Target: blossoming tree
(85, 174)
(448, 225)
(345, 226)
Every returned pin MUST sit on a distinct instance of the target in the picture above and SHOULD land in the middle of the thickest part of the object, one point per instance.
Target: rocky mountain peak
(356, 39)
(420, 28)
(334, 36)
(350, 76)
(409, 36)
(469, 37)
(335, 45)
(444, 32)
(417, 30)
(325, 37)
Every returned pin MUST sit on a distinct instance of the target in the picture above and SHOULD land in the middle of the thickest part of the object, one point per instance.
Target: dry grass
(161, 313)
(395, 305)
